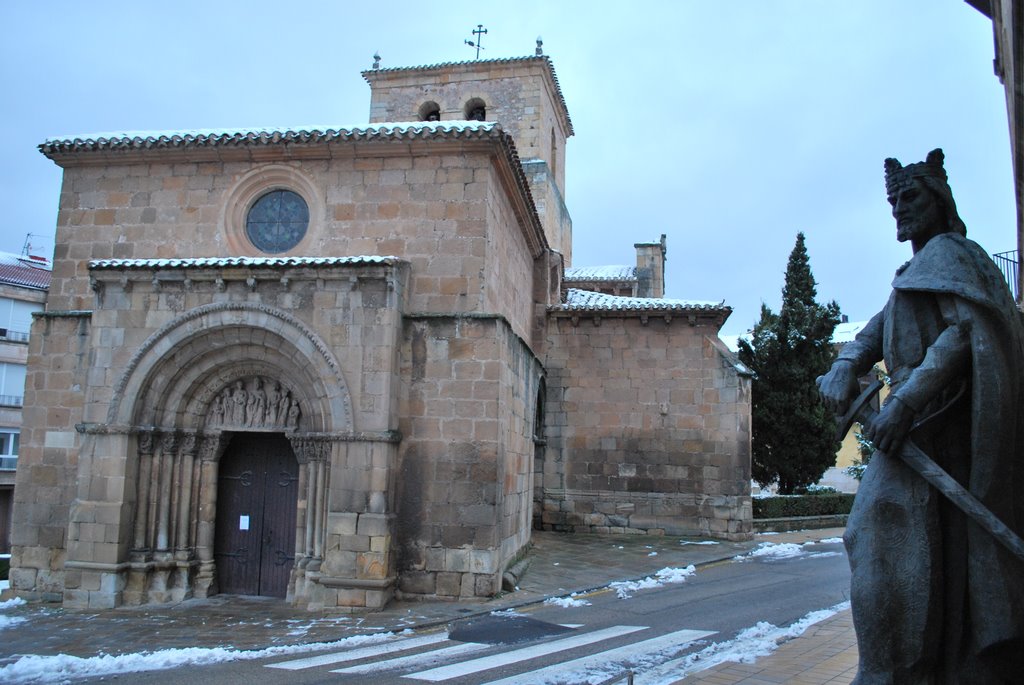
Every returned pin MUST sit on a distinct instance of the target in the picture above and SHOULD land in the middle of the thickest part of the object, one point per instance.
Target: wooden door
(257, 492)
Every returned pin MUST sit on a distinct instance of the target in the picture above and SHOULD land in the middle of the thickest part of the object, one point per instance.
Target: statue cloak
(935, 598)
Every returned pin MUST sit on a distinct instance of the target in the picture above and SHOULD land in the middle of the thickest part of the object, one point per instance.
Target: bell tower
(521, 94)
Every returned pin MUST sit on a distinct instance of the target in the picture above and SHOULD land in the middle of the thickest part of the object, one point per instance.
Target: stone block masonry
(648, 429)
(464, 483)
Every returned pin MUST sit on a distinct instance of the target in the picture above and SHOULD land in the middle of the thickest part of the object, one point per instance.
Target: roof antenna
(376, 59)
(479, 32)
(540, 46)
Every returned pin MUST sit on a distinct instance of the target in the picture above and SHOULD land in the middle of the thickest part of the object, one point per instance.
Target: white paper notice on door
(243, 522)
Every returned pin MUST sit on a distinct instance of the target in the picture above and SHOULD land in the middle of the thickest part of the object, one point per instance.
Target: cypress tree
(793, 433)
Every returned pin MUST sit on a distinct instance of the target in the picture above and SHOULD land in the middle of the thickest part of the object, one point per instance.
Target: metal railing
(8, 463)
(15, 336)
(11, 400)
(1009, 264)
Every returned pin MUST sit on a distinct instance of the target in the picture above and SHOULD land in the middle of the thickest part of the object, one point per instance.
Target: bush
(825, 504)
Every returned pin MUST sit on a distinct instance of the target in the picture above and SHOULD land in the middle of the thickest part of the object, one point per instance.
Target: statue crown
(897, 175)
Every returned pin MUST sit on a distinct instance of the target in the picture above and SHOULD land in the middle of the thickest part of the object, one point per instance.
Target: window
(430, 111)
(476, 110)
(277, 221)
(9, 439)
(12, 384)
(16, 318)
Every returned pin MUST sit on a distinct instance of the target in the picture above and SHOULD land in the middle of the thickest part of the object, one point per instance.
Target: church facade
(336, 364)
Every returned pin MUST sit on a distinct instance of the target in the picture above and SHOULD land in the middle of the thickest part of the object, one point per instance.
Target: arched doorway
(257, 497)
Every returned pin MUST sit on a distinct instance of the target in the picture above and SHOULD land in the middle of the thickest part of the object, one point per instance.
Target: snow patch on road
(750, 644)
(627, 588)
(569, 602)
(772, 551)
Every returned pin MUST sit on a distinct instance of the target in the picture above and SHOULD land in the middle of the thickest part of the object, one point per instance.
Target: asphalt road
(547, 643)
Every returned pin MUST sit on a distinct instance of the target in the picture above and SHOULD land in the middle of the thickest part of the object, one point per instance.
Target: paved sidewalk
(559, 565)
(825, 653)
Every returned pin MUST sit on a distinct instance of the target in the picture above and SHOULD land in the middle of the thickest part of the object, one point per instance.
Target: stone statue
(293, 415)
(937, 599)
(257, 404)
(273, 397)
(283, 405)
(217, 411)
(239, 401)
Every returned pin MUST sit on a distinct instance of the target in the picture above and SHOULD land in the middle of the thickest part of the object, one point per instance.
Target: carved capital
(169, 442)
(309, 449)
(146, 442)
(188, 443)
(212, 447)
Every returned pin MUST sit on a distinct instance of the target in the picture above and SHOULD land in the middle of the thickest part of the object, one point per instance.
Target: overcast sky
(728, 126)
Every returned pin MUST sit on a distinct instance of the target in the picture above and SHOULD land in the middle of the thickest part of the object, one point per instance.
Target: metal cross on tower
(479, 31)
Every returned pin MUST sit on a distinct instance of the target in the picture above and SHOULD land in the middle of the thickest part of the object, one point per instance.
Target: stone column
(144, 449)
(183, 546)
(139, 556)
(169, 445)
(163, 471)
(210, 452)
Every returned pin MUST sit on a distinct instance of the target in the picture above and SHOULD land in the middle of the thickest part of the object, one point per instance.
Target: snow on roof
(733, 341)
(601, 273)
(846, 332)
(27, 272)
(369, 73)
(205, 262)
(266, 135)
(584, 300)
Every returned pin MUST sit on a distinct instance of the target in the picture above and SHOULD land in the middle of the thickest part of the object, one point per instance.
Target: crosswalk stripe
(679, 639)
(494, 661)
(419, 660)
(364, 653)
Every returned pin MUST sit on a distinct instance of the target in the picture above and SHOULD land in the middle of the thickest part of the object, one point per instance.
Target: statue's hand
(891, 427)
(839, 386)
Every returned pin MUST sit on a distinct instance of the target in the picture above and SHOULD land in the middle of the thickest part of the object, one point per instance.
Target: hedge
(825, 504)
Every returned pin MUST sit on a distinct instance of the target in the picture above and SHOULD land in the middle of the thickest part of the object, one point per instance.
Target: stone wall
(648, 429)
(58, 364)
(464, 474)
(437, 211)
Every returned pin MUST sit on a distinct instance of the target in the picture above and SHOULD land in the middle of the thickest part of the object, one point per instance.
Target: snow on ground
(702, 542)
(749, 645)
(8, 621)
(569, 602)
(48, 669)
(773, 551)
(657, 665)
(627, 588)
(505, 612)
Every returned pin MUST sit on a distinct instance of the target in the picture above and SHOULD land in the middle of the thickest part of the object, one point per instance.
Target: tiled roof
(600, 273)
(207, 262)
(584, 300)
(24, 272)
(505, 60)
(271, 135)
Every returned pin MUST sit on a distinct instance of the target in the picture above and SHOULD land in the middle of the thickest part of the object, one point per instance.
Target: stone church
(337, 364)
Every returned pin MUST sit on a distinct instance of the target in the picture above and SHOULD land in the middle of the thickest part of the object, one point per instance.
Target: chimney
(650, 268)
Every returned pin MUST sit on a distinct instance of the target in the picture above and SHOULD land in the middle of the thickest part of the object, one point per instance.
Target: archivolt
(173, 376)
